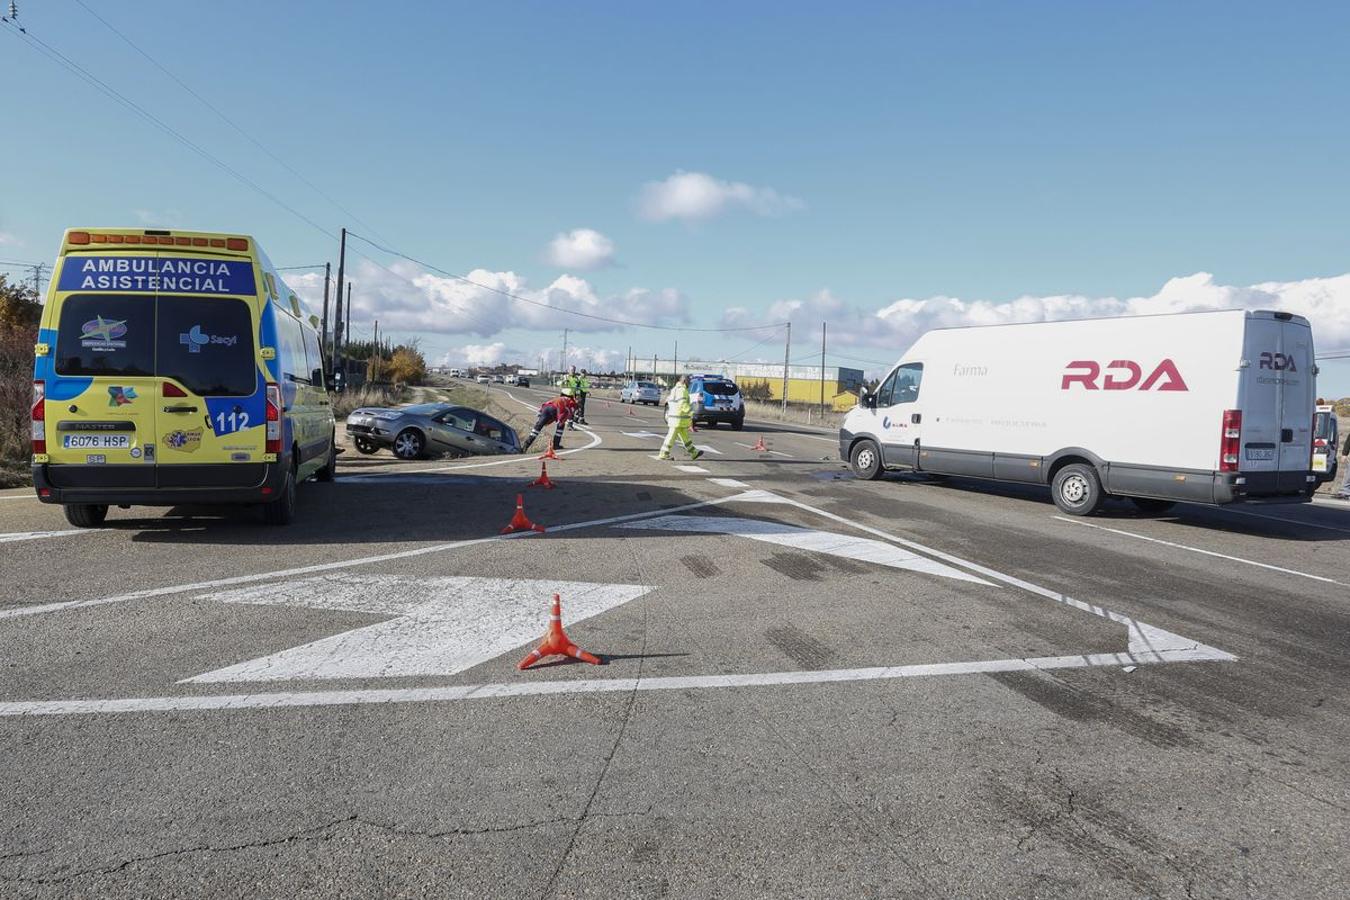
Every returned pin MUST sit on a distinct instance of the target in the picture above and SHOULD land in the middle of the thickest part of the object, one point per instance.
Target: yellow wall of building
(800, 390)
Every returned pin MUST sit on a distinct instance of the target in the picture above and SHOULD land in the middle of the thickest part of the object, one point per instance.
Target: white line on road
(169, 590)
(695, 470)
(728, 482)
(585, 686)
(1237, 559)
(34, 535)
(774, 452)
(19, 497)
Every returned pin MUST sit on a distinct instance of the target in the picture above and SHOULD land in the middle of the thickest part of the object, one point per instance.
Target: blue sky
(855, 155)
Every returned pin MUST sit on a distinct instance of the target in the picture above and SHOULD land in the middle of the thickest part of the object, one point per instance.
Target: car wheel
(365, 446)
(1152, 506)
(865, 461)
(86, 515)
(281, 511)
(409, 444)
(1077, 490)
(738, 424)
(329, 470)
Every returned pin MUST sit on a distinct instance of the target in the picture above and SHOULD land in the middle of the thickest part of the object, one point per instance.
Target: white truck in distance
(1210, 407)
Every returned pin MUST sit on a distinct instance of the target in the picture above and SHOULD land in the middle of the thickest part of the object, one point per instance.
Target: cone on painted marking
(520, 522)
(549, 454)
(543, 480)
(759, 445)
(556, 642)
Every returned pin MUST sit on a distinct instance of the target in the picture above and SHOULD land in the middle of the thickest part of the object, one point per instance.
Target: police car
(716, 398)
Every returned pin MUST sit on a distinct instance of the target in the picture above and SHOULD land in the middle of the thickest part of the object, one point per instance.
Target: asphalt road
(813, 687)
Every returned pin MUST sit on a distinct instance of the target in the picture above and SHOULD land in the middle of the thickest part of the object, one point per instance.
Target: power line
(299, 268)
(571, 312)
(61, 59)
(227, 120)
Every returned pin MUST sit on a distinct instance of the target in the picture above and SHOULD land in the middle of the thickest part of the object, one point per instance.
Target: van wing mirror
(869, 400)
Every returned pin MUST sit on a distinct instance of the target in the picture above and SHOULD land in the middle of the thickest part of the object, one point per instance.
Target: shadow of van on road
(1291, 522)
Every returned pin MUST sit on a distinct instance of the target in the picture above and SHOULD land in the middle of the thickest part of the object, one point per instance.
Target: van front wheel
(865, 461)
(1077, 490)
(86, 515)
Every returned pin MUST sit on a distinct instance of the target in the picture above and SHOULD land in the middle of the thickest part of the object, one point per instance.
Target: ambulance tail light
(273, 419)
(1230, 445)
(39, 418)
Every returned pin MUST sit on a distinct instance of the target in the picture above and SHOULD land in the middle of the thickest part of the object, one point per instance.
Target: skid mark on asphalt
(1236, 559)
(803, 649)
(862, 549)
(701, 566)
(37, 535)
(1070, 702)
(796, 566)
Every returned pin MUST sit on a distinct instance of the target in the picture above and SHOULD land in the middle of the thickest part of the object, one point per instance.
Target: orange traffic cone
(556, 642)
(519, 522)
(759, 445)
(543, 480)
(549, 454)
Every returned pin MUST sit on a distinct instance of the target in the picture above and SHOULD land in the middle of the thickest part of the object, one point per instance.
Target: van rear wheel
(86, 515)
(329, 470)
(865, 461)
(281, 511)
(1077, 490)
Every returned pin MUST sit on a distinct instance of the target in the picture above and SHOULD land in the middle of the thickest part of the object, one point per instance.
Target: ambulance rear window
(106, 334)
(207, 346)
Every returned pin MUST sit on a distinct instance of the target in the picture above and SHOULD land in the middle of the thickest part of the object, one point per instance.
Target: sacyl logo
(1123, 375)
(1278, 362)
(195, 339)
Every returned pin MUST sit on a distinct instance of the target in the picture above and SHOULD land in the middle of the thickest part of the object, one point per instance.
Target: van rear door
(102, 411)
(211, 405)
(1278, 400)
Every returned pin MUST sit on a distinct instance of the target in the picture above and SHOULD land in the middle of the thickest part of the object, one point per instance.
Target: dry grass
(16, 396)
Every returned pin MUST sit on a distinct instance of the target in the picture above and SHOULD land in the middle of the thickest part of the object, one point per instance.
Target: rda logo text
(1278, 362)
(1122, 375)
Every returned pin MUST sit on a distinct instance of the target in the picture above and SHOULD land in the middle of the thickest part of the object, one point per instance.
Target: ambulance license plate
(96, 441)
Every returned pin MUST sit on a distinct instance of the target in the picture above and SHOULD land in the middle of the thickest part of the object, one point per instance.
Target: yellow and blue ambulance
(175, 367)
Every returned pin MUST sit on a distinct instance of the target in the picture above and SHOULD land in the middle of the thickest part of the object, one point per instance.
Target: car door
(454, 431)
(492, 436)
(899, 418)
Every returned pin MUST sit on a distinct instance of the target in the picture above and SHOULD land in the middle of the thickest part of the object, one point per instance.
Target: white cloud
(695, 196)
(408, 300)
(580, 248)
(9, 240)
(884, 333)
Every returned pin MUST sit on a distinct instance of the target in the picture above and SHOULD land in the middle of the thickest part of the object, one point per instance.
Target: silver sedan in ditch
(416, 431)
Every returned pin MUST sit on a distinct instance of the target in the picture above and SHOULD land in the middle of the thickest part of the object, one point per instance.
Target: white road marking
(279, 574)
(19, 497)
(442, 625)
(1238, 559)
(501, 691)
(862, 549)
(34, 535)
(729, 482)
(705, 448)
(695, 470)
(642, 434)
(774, 452)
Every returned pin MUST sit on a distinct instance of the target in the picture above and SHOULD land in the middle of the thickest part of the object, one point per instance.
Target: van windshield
(204, 344)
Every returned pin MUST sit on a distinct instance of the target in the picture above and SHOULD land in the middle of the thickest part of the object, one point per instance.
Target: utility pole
(562, 360)
(823, 326)
(37, 281)
(339, 326)
(325, 349)
(787, 356)
(675, 363)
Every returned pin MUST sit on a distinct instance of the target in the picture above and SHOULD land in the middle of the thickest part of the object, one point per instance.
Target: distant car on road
(414, 431)
(483, 379)
(498, 379)
(519, 381)
(641, 392)
(716, 399)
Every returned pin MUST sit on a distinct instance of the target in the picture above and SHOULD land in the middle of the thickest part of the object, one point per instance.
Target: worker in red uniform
(558, 410)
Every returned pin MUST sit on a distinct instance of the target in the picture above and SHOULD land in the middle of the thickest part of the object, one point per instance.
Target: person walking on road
(1344, 492)
(557, 410)
(679, 418)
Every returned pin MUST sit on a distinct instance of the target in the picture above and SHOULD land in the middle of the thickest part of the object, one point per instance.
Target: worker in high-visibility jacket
(581, 386)
(679, 419)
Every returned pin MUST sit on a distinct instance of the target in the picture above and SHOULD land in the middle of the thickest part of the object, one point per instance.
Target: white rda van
(1212, 407)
